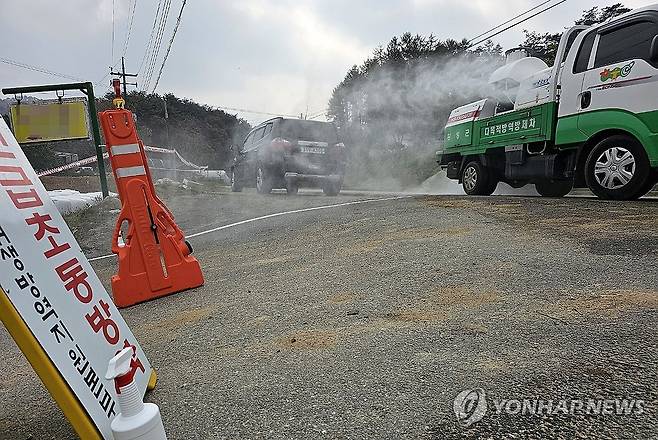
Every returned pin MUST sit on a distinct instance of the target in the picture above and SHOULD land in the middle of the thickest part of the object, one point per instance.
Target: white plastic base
(147, 425)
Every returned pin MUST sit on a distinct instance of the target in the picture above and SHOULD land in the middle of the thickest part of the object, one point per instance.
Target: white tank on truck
(513, 77)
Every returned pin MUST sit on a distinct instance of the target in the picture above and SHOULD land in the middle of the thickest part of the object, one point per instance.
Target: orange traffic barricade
(154, 258)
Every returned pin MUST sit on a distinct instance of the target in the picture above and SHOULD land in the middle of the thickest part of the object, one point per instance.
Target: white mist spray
(402, 109)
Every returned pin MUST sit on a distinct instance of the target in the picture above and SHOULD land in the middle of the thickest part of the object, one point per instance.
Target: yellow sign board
(50, 121)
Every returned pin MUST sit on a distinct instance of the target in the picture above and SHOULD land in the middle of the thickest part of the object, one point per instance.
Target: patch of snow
(191, 185)
(166, 182)
(186, 184)
(216, 175)
(68, 200)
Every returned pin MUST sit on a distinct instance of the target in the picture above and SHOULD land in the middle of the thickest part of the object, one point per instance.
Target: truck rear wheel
(559, 188)
(618, 169)
(477, 180)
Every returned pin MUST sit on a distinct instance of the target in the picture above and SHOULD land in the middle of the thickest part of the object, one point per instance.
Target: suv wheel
(263, 180)
(477, 180)
(292, 188)
(236, 186)
(559, 188)
(331, 188)
(618, 169)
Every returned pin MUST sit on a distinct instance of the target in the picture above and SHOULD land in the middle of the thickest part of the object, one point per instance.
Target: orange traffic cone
(154, 258)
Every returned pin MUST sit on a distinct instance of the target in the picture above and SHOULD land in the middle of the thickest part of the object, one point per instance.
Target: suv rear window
(314, 131)
(258, 134)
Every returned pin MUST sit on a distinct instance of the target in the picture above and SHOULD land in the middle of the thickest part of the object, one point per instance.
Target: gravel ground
(365, 321)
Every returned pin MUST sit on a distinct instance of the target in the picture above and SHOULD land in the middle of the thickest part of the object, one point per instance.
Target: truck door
(573, 74)
(621, 78)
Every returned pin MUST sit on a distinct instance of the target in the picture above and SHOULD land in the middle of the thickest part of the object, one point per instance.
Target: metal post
(123, 75)
(166, 116)
(93, 117)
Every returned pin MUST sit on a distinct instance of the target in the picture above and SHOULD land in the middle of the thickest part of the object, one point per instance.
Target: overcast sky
(282, 56)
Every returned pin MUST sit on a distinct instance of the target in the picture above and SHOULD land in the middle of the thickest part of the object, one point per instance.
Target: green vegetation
(544, 46)
(199, 132)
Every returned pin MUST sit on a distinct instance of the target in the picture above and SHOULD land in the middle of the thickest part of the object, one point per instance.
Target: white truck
(591, 120)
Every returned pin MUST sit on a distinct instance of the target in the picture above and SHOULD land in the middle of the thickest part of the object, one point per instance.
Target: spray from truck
(396, 115)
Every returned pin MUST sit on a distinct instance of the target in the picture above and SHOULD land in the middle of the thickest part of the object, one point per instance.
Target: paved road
(366, 320)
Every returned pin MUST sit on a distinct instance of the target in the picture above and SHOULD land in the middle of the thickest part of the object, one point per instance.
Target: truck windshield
(308, 131)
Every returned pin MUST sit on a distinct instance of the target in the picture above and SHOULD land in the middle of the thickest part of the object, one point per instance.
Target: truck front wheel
(558, 188)
(618, 169)
(478, 180)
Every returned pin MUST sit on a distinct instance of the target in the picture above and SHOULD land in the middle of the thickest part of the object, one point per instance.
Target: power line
(112, 54)
(97, 83)
(255, 112)
(39, 69)
(148, 44)
(63, 75)
(516, 24)
(509, 21)
(318, 114)
(150, 64)
(164, 60)
(155, 49)
(130, 28)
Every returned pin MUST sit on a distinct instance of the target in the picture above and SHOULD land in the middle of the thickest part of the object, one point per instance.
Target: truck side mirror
(653, 56)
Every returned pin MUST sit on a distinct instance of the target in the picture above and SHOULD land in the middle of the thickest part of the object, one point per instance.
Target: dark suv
(287, 153)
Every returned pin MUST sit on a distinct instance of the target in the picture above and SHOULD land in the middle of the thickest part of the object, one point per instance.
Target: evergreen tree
(544, 46)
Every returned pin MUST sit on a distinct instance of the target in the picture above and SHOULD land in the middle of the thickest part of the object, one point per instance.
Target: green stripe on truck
(577, 129)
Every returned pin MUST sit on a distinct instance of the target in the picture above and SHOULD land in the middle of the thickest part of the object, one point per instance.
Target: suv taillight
(281, 144)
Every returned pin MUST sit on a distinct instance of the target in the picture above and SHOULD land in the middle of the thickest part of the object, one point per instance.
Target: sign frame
(88, 89)
(14, 111)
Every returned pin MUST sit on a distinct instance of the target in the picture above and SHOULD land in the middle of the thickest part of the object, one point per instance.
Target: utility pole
(123, 76)
(166, 116)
